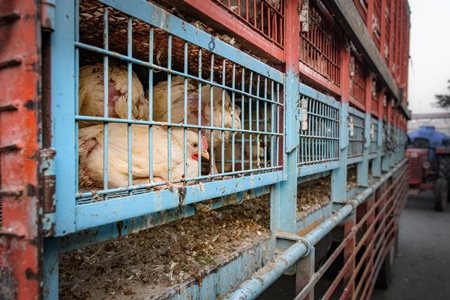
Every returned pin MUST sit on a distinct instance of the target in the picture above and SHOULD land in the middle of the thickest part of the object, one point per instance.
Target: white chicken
(160, 108)
(91, 93)
(91, 155)
(160, 96)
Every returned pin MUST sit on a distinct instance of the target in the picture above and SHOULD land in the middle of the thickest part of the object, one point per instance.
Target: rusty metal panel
(20, 239)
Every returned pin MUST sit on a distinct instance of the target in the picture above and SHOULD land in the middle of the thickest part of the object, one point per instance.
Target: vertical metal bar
(233, 136)
(250, 119)
(199, 107)
(305, 272)
(105, 96)
(169, 108)
(258, 86)
(130, 100)
(185, 117)
(63, 88)
(211, 109)
(243, 118)
(150, 102)
(284, 194)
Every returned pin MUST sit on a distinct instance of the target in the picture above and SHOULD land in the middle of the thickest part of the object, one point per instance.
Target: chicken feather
(91, 93)
(91, 155)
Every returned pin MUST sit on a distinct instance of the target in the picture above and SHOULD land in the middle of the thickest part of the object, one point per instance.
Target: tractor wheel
(440, 195)
(444, 170)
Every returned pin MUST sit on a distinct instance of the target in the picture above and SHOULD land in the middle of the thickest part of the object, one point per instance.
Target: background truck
(429, 164)
(202, 149)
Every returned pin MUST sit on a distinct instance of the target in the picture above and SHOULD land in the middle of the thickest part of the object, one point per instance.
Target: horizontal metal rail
(267, 275)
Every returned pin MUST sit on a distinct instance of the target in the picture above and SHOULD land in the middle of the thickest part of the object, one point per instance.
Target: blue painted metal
(356, 133)
(160, 18)
(113, 210)
(64, 87)
(81, 221)
(339, 175)
(363, 167)
(319, 135)
(264, 277)
(81, 213)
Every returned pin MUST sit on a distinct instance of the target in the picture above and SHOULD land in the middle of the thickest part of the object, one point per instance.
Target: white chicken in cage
(219, 100)
(92, 90)
(91, 151)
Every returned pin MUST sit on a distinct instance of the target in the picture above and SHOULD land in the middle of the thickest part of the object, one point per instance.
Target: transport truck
(429, 164)
(209, 149)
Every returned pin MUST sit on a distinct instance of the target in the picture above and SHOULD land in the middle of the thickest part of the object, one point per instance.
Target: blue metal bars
(159, 109)
(319, 132)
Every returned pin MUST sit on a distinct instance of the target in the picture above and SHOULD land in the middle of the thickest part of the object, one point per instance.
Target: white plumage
(91, 93)
(91, 155)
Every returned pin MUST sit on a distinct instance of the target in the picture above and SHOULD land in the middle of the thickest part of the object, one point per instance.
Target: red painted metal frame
(391, 37)
(376, 219)
(20, 235)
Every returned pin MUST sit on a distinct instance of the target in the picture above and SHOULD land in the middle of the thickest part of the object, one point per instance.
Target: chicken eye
(195, 145)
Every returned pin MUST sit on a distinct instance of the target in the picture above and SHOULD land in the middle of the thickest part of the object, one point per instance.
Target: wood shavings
(161, 257)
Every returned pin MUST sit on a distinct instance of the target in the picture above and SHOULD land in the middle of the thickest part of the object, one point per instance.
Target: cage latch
(351, 126)
(48, 180)
(304, 16)
(303, 114)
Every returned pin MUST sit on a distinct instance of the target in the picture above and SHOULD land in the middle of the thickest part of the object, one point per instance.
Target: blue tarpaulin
(436, 138)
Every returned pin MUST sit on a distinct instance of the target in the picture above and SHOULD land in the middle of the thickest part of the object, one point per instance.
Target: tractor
(428, 154)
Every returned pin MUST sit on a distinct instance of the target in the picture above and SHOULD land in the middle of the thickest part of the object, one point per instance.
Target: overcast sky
(429, 66)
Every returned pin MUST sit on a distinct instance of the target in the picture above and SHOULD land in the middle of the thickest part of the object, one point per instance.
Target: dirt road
(422, 268)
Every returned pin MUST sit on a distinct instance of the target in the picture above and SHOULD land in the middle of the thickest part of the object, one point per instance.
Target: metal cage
(319, 131)
(355, 135)
(219, 120)
(264, 16)
(320, 45)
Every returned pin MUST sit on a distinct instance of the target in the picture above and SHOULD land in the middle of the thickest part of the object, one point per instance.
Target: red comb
(204, 143)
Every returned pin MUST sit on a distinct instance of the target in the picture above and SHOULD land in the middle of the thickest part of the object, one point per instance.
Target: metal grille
(265, 16)
(194, 115)
(355, 133)
(373, 137)
(376, 22)
(319, 135)
(320, 45)
(415, 170)
(358, 81)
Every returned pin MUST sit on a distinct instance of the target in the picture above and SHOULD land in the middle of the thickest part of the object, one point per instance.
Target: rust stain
(312, 226)
(119, 228)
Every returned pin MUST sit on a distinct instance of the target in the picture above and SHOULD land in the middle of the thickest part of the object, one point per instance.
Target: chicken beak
(205, 154)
